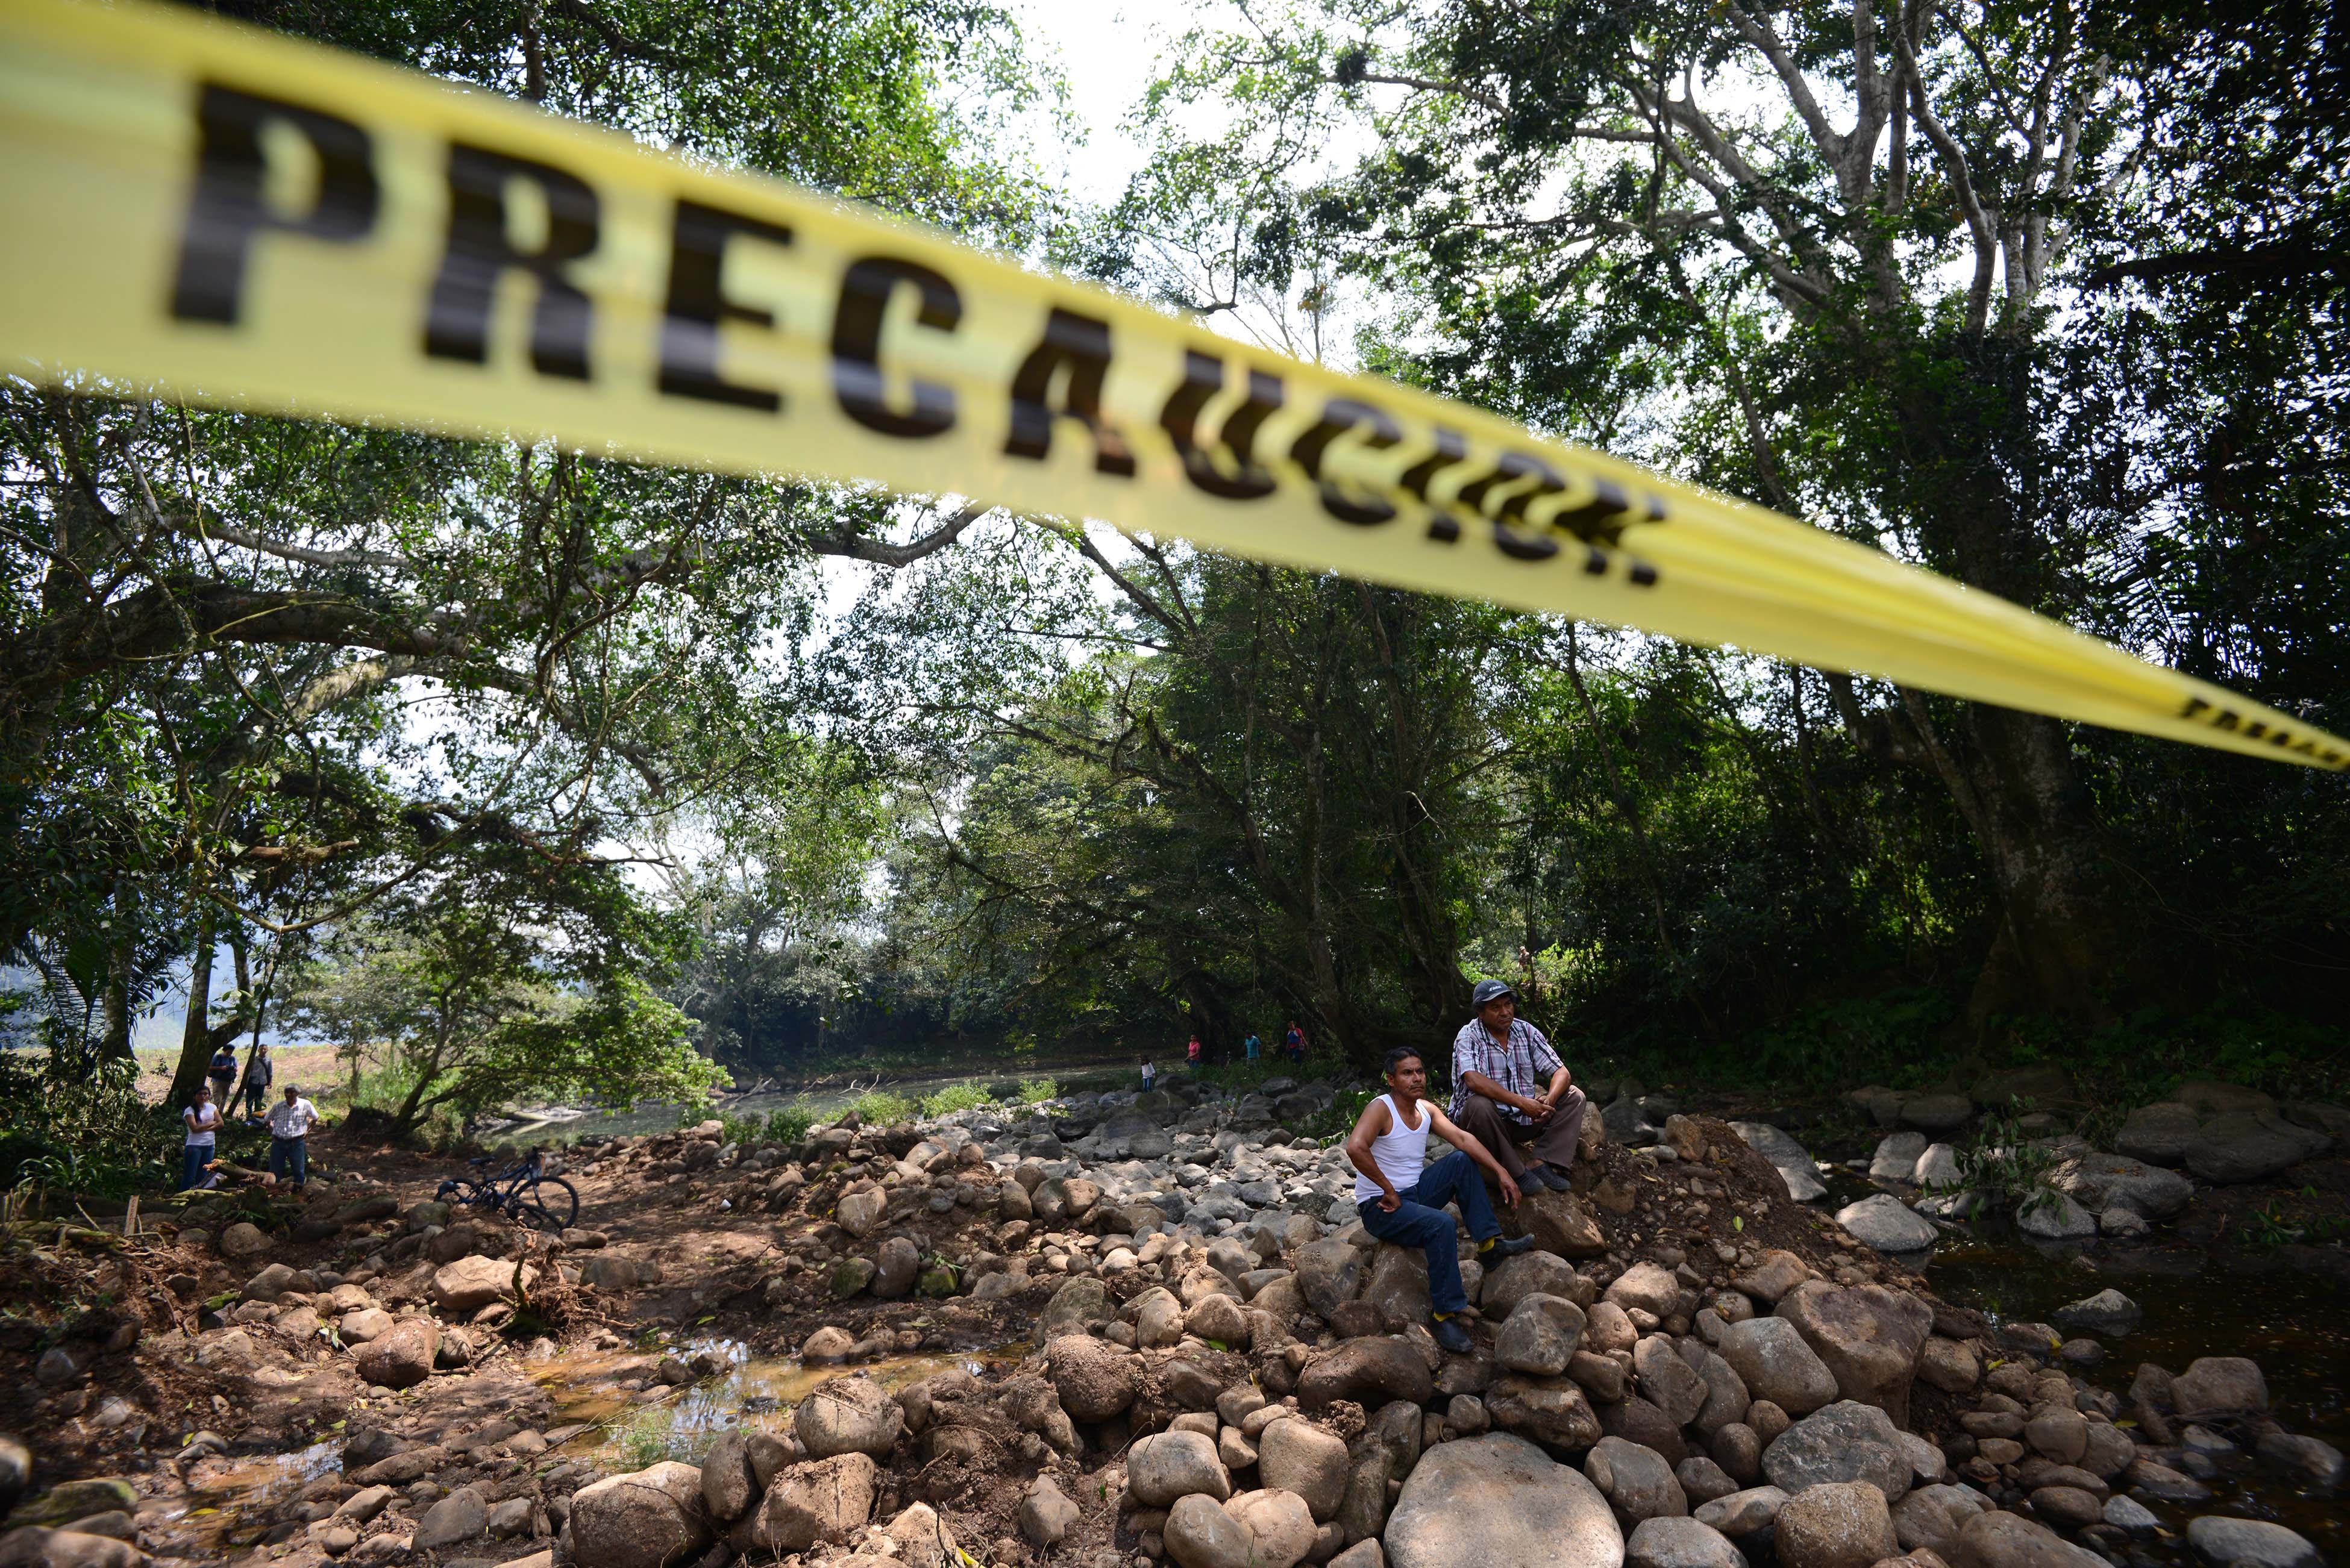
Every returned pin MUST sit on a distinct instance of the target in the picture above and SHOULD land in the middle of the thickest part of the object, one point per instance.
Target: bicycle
(542, 1203)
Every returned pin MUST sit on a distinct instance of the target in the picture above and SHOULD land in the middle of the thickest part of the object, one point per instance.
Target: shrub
(879, 1108)
(963, 1097)
(2006, 1167)
(790, 1124)
(1037, 1091)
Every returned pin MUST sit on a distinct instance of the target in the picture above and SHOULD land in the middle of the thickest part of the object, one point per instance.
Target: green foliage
(82, 1131)
(1037, 1091)
(880, 1107)
(790, 1124)
(962, 1096)
(2007, 1165)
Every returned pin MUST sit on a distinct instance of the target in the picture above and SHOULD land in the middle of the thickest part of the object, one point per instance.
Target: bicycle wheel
(548, 1204)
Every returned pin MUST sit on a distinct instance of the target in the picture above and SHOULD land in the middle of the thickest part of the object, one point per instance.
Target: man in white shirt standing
(290, 1121)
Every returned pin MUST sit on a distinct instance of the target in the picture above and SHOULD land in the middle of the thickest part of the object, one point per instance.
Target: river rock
(1046, 1514)
(2218, 1386)
(1788, 1158)
(858, 1212)
(1742, 1512)
(1168, 1466)
(1885, 1222)
(1219, 1318)
(2102, 1182)
(1296, 1455)
(652, 1517)
(1558, 1222)
(848, 1415)
(1932, 1517)
(2223, 1541)
(1771, 1358)
(1075, 1306)
(1772, 1276)
(1498, 1501)
(1726, 1396)
(2107, 1311)
(1897, 1157)
(1540, 1335)
(1844, 1441)
(469, 1284)
(894, 1267)
(1369, 1371)
(2314, 1463)
(1095, 1379)
(729, 1485)
(402, 1355)
(1667, 1379)
(1199, 1533)
(1550, 1410)
(1635, 1479)
(1868, 1336)
(1938, 1168)
(1670, 1543)
(818, 1499)
(1532, 1273)
(1935, 1112)
(1281, 1530)
(1328, 1272)
(1605, 1329)
(2053, 1217)
(1836, 1524)
(460, 1516)
(1644, 1286)
(1997, 1538)
(2247, 1145)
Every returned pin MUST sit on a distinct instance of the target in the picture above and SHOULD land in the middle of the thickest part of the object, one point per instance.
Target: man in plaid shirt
(1511, 1090)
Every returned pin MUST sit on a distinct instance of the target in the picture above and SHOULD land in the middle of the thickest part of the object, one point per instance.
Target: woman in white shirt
(202, 1121)
(1401, 1197)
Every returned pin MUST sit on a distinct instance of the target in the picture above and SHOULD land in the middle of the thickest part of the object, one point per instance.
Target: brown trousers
(1553, 1141)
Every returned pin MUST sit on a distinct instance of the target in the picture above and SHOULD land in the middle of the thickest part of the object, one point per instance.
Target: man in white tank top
(1401, 1198)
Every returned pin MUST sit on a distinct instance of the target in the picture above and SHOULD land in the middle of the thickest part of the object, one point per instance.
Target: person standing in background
(259, 1071)
(1191, 1053)
(1295, 1040)
(1254, 1048)
(223, 1073)
(202, 1121)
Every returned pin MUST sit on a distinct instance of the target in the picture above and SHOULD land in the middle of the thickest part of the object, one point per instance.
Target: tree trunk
(196, 1033)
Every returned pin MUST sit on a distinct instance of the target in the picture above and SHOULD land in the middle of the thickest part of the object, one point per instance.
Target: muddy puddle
(627, 1419)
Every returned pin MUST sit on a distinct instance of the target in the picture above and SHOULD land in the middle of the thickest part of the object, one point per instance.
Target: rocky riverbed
(1131, 1330)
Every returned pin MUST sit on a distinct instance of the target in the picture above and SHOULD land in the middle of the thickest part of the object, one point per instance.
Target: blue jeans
(1420, 1220)
(193, 1158)
(290, 1153)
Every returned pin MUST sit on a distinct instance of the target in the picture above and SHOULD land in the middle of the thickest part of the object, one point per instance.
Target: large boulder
(1168, 1466)
(1667, 1379)
(2247, 1145)
(402, 1355)
(1095, 1379)
(1846, 1441)
(1397, 1287)
(1540, 1335)
(848, 1415)
(1646, 1286)
(1771, 1358)
(1532, 1273)
(2222, 1542)
(1868, 1336)
(1933, 1516)
(1788, 1158)
(2053, 1217)
(1369, 1371)
(469, 1284)
(1839, 1524)
(2101, 1181)
(1498, 1501)
(730, 1485)
(2161, 1132)
(1296, 1455)
(1885, 1222)
(820, 1499)
(1775, 1273)
(650, 1519)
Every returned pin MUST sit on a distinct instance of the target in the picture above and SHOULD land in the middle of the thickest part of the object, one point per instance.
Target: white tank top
(1400, 1153)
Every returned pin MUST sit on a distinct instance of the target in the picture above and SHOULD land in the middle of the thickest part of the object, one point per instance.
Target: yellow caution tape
(231, 216)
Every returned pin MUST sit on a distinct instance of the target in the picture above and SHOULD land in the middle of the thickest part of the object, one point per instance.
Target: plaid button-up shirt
(1524, 1066)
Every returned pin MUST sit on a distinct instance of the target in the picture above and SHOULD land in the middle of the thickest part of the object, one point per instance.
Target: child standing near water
(1149, 1075)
